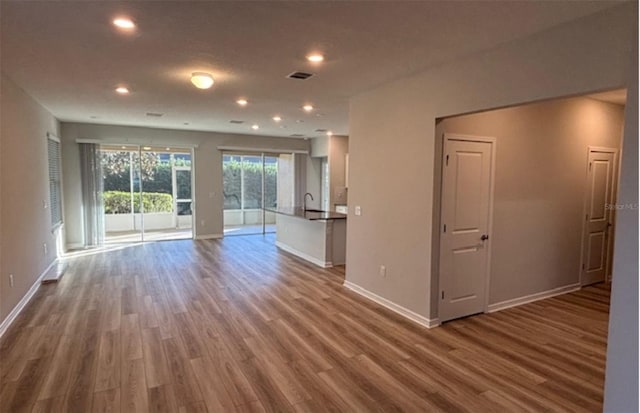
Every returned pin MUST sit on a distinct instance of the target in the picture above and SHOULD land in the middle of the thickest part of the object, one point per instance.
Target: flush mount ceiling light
(277, 118)
(124, 23)
(307, 108)
(242, 102)
(315, 58)
(122, 90)
(255, 127)
(201, 80)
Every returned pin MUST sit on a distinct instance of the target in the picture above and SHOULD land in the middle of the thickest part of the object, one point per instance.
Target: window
(55, 187)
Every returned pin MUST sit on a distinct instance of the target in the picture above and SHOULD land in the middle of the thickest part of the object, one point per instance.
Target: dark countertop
(311, 215)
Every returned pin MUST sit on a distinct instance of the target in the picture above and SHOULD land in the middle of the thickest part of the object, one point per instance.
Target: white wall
(621, 380)
(394, 126)
(338, 148)
(540, 182)
(207, 167)
(24, 186)
(314, 182)
(320, 147)
(334, 148)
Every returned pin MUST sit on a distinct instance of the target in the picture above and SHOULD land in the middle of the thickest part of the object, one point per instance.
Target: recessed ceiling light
(168, 149)
(307, 108)
(315, 58)
(242, 102)
(277, 118)
(329, 133)
(146, 148)
(201, 80)
(122, 90)
(255, 127)
(123, 147)
(124, 23)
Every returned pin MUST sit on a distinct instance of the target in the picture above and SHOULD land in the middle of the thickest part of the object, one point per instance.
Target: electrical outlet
(358, 210)
(383, 271)
(11, 280)
(45, 248)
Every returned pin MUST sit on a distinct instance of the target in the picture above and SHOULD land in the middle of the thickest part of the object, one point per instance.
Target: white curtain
(92, 186)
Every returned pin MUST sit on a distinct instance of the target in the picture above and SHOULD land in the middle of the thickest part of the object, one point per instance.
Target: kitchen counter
(319, 237)
(312, 215)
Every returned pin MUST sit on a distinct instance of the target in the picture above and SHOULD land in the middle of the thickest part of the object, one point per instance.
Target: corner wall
(24, 187)
(540, 182)
(394, 126)
(208, 218)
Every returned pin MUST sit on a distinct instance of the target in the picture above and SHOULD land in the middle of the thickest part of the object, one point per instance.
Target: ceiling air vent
(236, 122)
(299, 75)
(296, 135)
(155, 114)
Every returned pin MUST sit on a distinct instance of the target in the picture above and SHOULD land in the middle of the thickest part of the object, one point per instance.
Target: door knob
(484, 237)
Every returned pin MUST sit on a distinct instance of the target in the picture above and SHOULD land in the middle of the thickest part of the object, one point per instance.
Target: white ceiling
(69, 57)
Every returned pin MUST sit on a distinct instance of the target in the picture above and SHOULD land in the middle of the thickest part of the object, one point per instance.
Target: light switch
(358, 210)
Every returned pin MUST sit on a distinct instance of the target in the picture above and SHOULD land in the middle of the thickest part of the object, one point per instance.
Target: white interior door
(464, 242)
(598, 201)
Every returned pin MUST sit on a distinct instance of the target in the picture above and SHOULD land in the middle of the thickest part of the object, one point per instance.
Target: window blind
(55, 187)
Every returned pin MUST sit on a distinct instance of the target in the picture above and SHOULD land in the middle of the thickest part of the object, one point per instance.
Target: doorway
(544, 195)
(147, 193)
(467, 208)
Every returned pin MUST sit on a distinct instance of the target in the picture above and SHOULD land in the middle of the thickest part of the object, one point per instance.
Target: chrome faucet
(304, 203)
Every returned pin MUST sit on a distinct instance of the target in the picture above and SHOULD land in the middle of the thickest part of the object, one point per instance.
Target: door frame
(174, 186)
(614, 190)
(469, 138)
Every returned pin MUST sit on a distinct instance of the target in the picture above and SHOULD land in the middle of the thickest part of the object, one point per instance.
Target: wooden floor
(234, 325)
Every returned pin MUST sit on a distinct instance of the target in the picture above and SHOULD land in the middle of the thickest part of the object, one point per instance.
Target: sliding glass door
(250, 186)
(121, 196)
(147, 193)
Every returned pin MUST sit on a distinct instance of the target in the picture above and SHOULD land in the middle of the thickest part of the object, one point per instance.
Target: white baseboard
(314, 260)
(25, 300)
(533, 297)
(415, 317)
(209, 236)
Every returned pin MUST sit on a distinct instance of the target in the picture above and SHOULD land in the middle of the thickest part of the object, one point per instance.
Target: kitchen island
(319, 237)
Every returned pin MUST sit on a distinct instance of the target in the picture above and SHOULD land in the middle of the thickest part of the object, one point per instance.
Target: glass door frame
(140, 149)
(249, 153)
